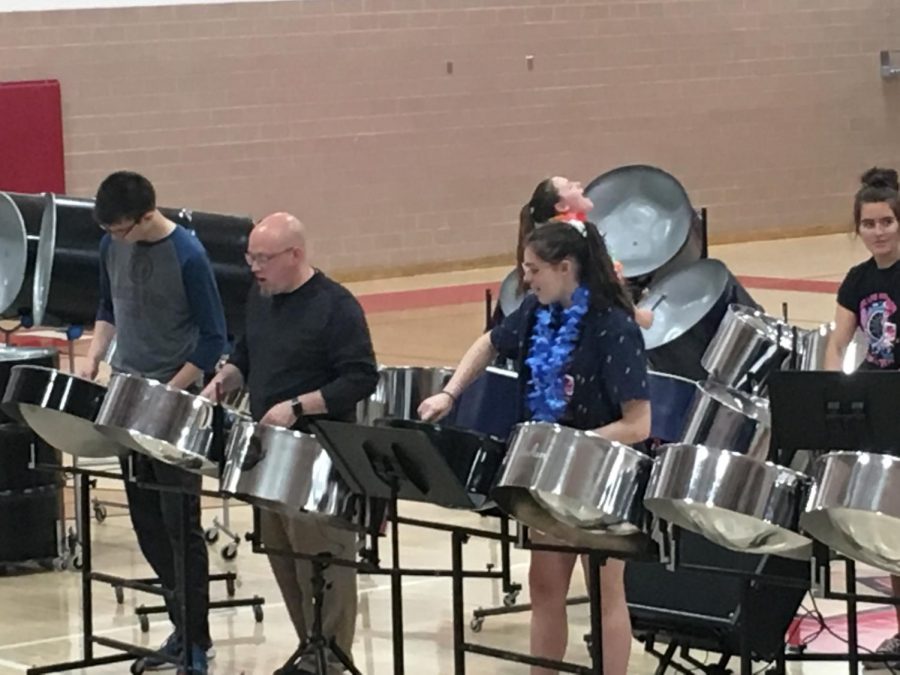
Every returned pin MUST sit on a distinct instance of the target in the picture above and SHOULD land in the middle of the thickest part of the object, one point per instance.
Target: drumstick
(658, 302)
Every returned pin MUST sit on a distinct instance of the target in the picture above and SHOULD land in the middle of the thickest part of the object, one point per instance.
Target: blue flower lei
(549, 355)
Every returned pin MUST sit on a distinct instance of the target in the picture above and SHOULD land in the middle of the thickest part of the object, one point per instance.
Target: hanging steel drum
(13, 252)
(688, 307)
(647, 220)
(748, 346)
(722, 418)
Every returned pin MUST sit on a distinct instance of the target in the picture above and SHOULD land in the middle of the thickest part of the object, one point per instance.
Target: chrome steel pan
(746, 348)
(854, 507)
(730, 499)
(400, 390)
(165, 423)
(285, 471)
(510, 297)
(575, 486)
(727, 419)
(813, 344)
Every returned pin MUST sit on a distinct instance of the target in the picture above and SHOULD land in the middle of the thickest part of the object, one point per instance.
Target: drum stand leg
(595, 562)
(396, 588)
(317, 645)
(852, 631)
(87, 607)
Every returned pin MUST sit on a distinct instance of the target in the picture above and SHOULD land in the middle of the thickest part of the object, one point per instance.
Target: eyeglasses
(118, 228)
(263, 259)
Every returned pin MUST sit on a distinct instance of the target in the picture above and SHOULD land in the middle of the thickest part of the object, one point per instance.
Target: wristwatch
(297, 407)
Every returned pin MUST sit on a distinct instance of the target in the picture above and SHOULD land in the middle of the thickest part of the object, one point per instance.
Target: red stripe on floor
(467, 293)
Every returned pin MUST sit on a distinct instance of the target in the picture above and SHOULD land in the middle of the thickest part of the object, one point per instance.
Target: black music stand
(823, 411)
(828, 410)
(390, 463)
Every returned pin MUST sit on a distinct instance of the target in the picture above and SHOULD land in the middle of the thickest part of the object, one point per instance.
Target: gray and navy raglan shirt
(163, 300)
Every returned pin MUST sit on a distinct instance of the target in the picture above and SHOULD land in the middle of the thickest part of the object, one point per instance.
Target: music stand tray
(391, 463)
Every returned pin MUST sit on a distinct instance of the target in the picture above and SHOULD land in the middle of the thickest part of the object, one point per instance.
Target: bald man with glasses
(306, 354)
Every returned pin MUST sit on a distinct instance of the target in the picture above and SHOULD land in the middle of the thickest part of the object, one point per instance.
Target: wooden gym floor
(426, 320)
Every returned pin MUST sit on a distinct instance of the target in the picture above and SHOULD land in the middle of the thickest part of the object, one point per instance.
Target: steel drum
(286, 471)
(688, 306)
(11, 357)
(400, 390)
(671, 398)
(747, 347)
(510, 298)
(854, 507)
(46, 253)
(61, 409)
(726, 419)
(730, 499)
(814, 343)
(63, 246)
(576, 487)
(157, 420)
(647, 219)
(13, 252)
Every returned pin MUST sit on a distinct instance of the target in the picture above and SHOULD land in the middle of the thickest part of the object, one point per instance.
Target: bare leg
(616, 620)
(548, 582)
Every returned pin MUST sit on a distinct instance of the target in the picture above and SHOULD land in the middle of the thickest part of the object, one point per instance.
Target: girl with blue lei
(581, 363)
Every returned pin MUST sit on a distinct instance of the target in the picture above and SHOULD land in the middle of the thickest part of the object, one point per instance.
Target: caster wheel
(510, 598)
(100, 513)
(120, 595)
(258, 613)
(137, 667)
(145, 623)
(77, 563)
(229, 551)
(61, 564)
(211, 535)
(477, 624)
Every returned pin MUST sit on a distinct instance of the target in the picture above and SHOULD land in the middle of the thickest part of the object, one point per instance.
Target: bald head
(281, 230)
(277, 251)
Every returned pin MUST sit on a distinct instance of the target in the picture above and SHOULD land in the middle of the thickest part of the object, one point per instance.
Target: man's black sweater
(315, 337)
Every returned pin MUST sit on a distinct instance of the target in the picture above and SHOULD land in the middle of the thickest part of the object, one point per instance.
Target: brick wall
(343, 111)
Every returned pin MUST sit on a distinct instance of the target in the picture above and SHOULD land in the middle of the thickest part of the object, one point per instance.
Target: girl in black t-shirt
(869, 298)
(597, 380)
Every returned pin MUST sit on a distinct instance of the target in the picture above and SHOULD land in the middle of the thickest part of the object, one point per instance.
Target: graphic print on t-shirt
(874, 313)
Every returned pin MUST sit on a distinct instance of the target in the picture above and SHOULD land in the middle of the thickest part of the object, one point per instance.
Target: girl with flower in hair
(581, 363)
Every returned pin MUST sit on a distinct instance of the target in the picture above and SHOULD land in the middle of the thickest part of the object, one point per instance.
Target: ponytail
(599, 273)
